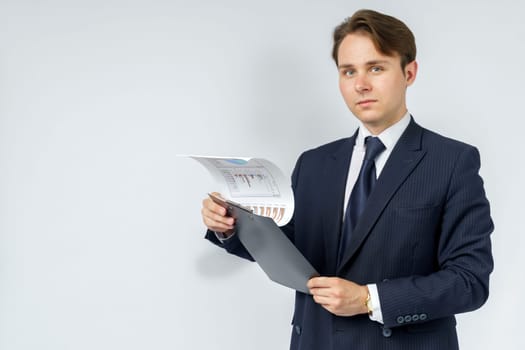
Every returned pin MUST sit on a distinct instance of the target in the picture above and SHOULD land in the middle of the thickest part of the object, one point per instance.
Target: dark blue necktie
(362, 189)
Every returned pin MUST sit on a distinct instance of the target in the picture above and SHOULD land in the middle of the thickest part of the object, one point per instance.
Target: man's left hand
(339, 296)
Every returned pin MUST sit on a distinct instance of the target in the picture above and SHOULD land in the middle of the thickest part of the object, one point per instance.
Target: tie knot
(374, 147)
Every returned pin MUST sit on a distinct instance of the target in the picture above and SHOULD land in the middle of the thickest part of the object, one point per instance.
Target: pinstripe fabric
(423, 238)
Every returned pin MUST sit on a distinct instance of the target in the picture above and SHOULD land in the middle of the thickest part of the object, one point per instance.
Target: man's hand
(214, 217)
(339, 296)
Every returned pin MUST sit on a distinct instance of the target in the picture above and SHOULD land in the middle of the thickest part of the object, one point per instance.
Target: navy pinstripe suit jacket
(424, 239)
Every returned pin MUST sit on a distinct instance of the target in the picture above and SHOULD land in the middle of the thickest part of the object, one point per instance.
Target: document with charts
(255, 183)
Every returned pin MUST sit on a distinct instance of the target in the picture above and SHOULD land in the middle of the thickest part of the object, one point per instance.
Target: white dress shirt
(389, 138)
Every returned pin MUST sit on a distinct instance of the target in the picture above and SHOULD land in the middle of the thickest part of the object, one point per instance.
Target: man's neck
(376, 129)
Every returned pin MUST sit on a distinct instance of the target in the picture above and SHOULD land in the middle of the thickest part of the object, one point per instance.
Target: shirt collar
(388, 137)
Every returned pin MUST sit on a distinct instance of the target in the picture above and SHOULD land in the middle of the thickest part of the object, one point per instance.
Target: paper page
(255, 183)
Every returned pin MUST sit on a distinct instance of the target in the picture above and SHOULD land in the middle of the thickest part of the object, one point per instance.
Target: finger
(321, 292)
(217, 218)
(217, 194)
(313, 282)
(217, 222)
(319, 282)
(320, 289)
(321, 300)
(213, 207)
(217, 226)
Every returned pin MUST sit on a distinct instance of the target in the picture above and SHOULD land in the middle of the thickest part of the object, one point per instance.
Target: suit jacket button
(415, 317)
(408, 318)
(400, 319)
(423, 317)
(387, 332)
(298, 329)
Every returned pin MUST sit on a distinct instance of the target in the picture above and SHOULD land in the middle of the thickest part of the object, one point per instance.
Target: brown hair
(389, 35)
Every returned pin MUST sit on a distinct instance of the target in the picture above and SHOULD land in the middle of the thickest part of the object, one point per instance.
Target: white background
(101, 241)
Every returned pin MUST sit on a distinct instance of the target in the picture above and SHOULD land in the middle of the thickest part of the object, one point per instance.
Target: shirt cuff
(376, 314)
(222, 237)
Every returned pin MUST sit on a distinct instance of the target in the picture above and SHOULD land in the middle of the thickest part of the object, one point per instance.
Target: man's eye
(376, 69)
(348, 73)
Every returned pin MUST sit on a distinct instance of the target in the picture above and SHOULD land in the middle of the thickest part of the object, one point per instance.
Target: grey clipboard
(271, 248)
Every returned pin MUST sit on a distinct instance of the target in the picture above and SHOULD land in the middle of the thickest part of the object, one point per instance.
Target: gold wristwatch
(368, 305)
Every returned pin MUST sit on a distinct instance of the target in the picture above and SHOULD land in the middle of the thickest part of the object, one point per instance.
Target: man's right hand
(215, 217)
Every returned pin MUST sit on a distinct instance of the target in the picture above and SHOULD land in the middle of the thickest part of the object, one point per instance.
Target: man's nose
(362, 84)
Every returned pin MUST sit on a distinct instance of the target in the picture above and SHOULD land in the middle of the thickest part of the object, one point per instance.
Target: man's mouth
(366, 102)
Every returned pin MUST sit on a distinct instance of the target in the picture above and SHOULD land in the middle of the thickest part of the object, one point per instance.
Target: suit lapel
(336, 172)
(404, 158)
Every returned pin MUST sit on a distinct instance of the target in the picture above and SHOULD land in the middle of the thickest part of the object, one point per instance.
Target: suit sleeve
(464, 258)
(289, 228)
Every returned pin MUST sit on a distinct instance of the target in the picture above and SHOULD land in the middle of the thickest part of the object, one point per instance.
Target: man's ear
(411, 72)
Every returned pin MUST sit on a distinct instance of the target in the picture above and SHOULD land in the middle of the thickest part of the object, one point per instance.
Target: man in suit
(394, 218)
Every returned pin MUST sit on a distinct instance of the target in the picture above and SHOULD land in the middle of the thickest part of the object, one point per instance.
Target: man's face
(373, 85)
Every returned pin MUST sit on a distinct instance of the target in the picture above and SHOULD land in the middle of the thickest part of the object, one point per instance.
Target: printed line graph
(250, 182)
